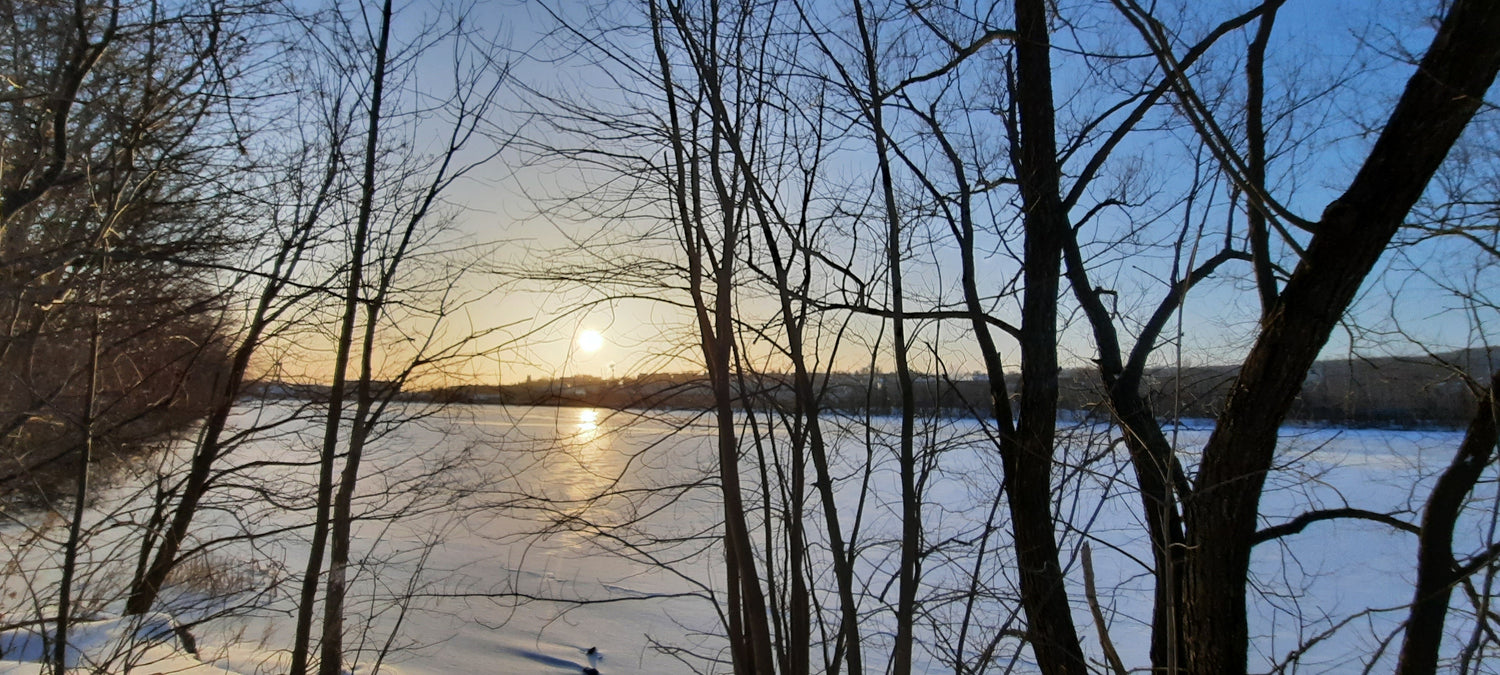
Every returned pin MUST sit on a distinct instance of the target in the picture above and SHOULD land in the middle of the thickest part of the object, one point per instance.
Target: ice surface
(533, 574)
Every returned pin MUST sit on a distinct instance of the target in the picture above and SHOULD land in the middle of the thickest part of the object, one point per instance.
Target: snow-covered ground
(548, 558)
(146, 644)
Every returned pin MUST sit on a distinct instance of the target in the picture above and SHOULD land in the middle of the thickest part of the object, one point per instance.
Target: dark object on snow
(554, 661)
(189, 644)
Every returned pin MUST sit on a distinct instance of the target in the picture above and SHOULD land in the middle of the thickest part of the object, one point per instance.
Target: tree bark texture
(1354, 231)
(1027, 456)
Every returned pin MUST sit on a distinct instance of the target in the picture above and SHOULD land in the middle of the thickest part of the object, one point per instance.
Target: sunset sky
(512, 201)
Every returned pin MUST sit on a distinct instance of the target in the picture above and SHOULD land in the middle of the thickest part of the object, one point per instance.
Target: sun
(590, 341)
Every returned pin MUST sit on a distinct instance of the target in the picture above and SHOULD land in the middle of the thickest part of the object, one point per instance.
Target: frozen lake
(1338, 585)
(551, 531)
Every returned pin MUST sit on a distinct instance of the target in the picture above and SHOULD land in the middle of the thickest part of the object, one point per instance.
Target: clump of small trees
(194, 196)
(113, 208)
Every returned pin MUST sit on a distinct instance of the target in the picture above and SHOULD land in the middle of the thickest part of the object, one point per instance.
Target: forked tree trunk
(749, 630)
(329, 500)
(302, 640)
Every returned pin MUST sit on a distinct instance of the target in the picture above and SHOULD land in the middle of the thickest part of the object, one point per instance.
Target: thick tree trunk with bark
(1353, 232)
(1028, 455)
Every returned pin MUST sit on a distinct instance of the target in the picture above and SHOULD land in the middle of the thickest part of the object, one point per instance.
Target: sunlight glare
(590, 341)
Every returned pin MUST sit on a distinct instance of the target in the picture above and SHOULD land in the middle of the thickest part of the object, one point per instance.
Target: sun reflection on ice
(581, 463)
(588, 424)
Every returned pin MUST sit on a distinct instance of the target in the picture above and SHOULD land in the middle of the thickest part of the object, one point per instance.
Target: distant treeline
(1385, 391)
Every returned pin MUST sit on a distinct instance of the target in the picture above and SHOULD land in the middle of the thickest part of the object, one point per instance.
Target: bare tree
(114, 209)
(963, 143)
(394, 215)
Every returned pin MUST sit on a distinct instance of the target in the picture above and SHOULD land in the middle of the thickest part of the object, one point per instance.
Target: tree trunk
(80, 499)
(909, 561)
(336, 584)
(147, 586)
(1353, 232)
(301, 647)
(1436, 575)
(1028, 461)
(332, 653)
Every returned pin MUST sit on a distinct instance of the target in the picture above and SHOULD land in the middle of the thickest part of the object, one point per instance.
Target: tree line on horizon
(1379, 391)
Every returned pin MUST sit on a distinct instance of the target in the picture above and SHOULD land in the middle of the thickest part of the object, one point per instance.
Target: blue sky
(1334, 67)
